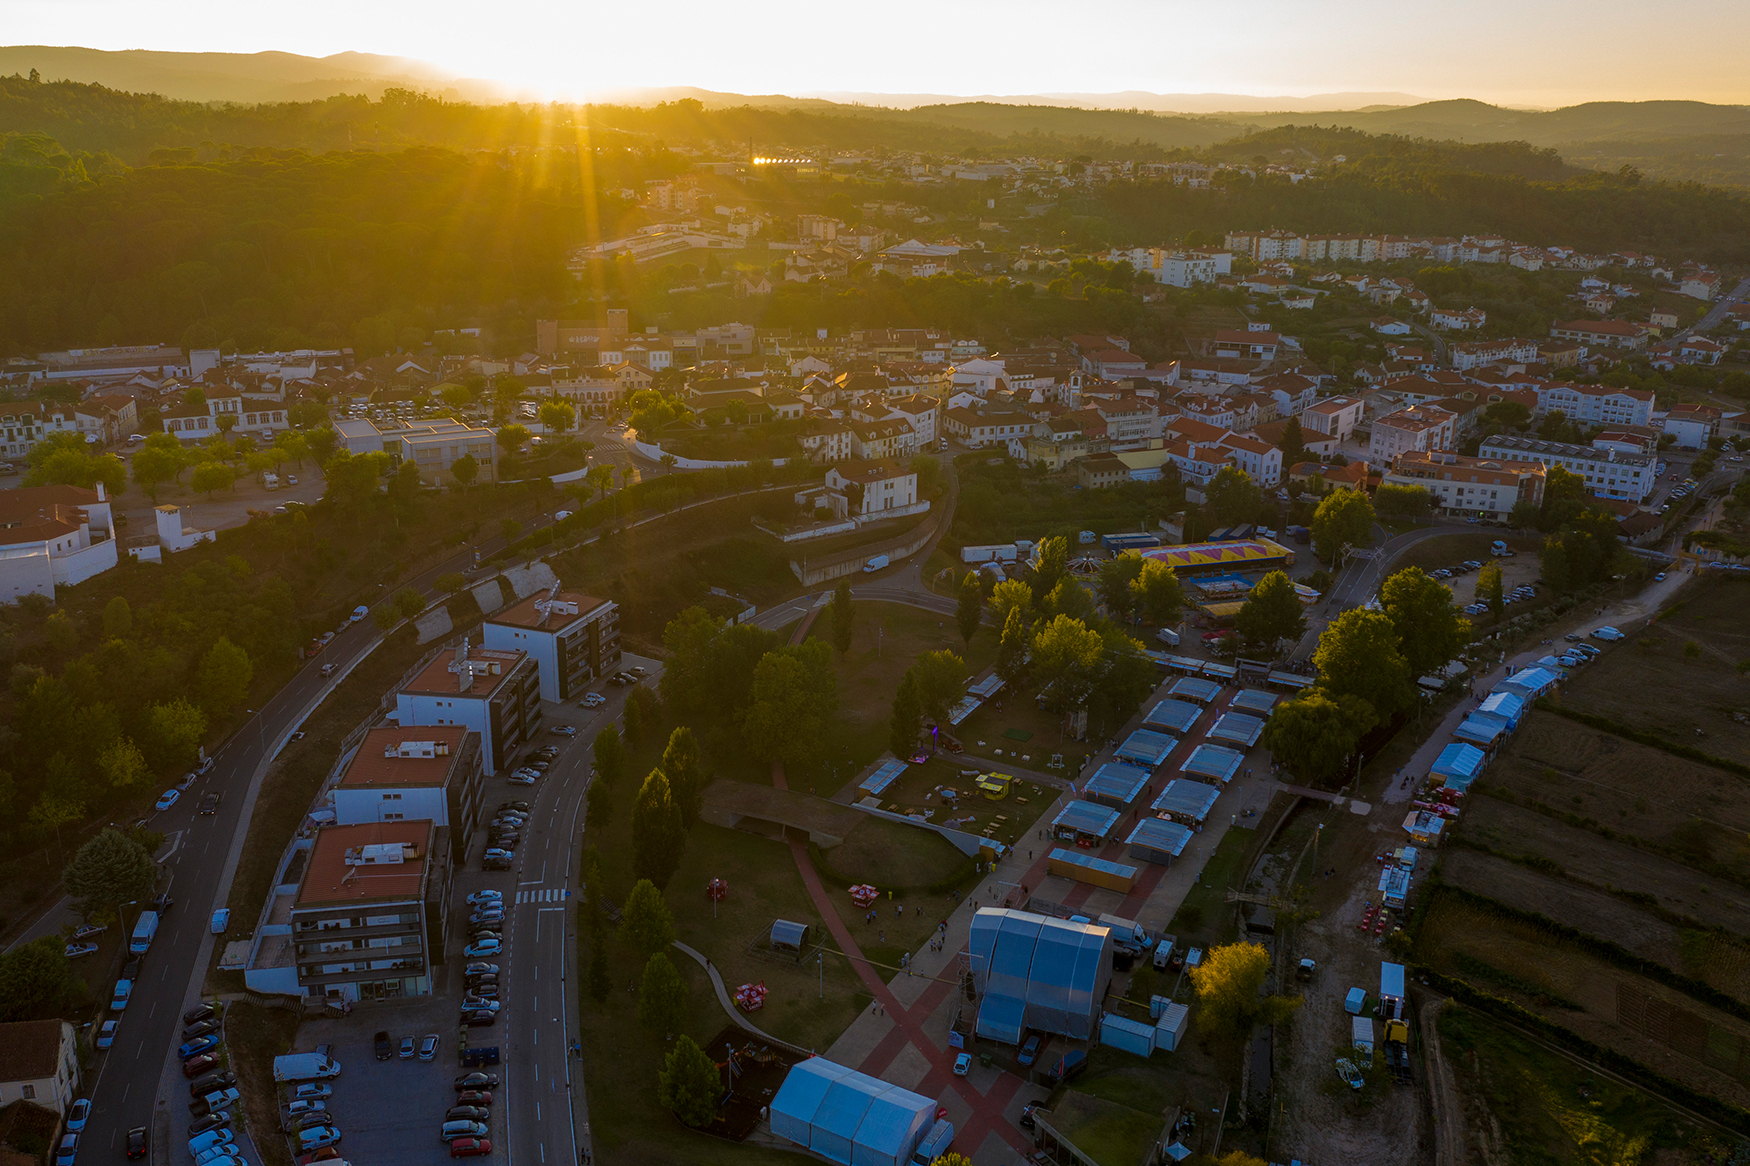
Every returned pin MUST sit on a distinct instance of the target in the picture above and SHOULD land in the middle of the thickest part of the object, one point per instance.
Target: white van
(1168, 636)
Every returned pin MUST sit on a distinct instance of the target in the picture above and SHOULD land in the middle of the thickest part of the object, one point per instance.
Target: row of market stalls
(1192, 667)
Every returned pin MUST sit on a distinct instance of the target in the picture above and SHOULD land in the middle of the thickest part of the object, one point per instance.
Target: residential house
(1352, 476)
(1482, 487)
(493, 691)
(109, 418)
(1389, 326)
(1245, 345)
(1458, 319)
(406, 775)
(1483, 353)
(1598, 334)
(53, 536)
(436, 446)
(39, 1063)
(1261, 461)
(874, 489)
(1700, 283)
(1334, 417)
(1692, 425)
(1607, 473)
(1100, 470)
(369, 919)
(24, 424)
(826, 440)
(573, 638)
(976, 431)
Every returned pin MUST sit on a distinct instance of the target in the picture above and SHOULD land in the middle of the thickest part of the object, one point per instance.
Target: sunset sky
(1537, 52)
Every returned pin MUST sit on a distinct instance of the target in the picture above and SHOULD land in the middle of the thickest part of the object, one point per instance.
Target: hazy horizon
(1526, 53)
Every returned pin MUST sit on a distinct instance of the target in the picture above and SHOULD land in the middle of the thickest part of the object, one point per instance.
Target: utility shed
(849, 1117)
(1255, 702)
(1145, 748)
(1185, 801)
(1114, 785)
(1237, 729)
(1213, 763)
(1170, 1026)
(1158, 840)
(1193, 688)
(1174, 716)
(1130, 1035)
(1085, 818)
(1037, 971)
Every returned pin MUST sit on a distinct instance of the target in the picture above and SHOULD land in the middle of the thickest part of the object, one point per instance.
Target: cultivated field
(1679, 677)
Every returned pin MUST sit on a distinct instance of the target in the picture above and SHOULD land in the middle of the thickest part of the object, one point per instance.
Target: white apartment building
(573, 638)
(1334, 417)
(1469, 486)
(39, 1063)
(1261, 461)
(1607, 472)
(1596, 404)
(404, 775)
(494, 692)
(1417, 429)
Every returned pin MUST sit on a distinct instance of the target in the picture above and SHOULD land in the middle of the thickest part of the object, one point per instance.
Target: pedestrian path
(544, 895)
(723, 995)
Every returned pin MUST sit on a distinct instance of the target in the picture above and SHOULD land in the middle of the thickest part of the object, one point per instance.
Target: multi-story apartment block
(1602, 333)
(495, 692)
(573, 638)
(1608, 473)
(1334, 417)
(1418, 429)
(368, 922)
(407, 775)
(1469, 486)
(1596, 404)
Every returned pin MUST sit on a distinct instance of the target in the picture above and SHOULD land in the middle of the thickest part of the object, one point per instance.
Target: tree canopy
(1343, 520)
(1358, 656)
(1271, 612)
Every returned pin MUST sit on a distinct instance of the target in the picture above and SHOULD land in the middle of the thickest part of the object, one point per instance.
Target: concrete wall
(77, 566)
(851, 562)
(25, 570)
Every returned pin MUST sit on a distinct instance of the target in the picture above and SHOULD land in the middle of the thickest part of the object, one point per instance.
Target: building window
(28, 1092)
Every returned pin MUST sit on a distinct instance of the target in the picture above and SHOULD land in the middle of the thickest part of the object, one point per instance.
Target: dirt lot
(1656, 682)
(1590, 858)
(1453, 549)
(1661, 1028)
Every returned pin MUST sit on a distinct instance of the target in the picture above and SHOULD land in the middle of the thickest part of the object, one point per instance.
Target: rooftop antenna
(544, 606)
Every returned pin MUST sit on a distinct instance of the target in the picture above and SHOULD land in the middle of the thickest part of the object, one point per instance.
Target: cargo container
(997, 552)
(1129, 542)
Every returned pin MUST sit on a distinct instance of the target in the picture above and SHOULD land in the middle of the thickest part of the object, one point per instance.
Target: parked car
(491, 862)
(408, 1048)
(106, 1033)
(198, 1046)
(312, 1091)
(462, 1129)
(384, 1047)
(168, 798)
(479, 897)
(90, 929)
(468, 1113)
(1068, 1066)
(207, 1082)
(79, 1115)
(200, 1028)
(593, 700)
(479, 1019)
(212, 1121)
(74, 951)
(481, 1097)
(1348, 1074)
(483, 947)
(1030, 1049)
(428, 1046)
(476, 1081)
(521, 777)
(469, 1147)
(514, 805)
(480, 969)
(962, 1064)
(563, 730)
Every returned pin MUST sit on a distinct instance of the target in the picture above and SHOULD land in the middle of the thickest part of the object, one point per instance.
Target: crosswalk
(543, 895)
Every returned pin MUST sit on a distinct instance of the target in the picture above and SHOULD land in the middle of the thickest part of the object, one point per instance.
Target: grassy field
(1205, 918)
(1006, 501)
(1548, 1109)
(253, 1038)
(1447, 550)
(1679, 677)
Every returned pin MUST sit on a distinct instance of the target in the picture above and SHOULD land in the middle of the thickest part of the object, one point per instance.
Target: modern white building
(1334, 417)
(1596, 404)
(573, 638)
(1418, 429)
(1608, 473)
(1471, 487)
(494, 692)
(406, 774)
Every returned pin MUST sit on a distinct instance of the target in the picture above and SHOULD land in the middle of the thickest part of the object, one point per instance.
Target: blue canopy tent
(1529, 683)
(1188, 801)
(1145, 748)
(1506, 705)
(1193, 688)
(1251, 700)
(1291, 680)
(849, 1117)
(1459, 765)
(1222, 672)
(1035, 971)
(1187, 664)
(1175, 716)
(1237, 729)
(1115, 785)
(885, 775)
(1158, 840)
(1090, 818)
(1213, 763)
(1479, 729)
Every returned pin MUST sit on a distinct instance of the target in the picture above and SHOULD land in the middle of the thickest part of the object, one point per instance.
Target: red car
(325, 1154)
(195, 1066)
(470, 1147)
(474, 1097)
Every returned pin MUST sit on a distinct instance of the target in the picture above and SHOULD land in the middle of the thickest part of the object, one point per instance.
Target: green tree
(211, 477)
(512, 438)
(844, 617)
(1404, 501)
(225, 674)
(62, 632)
(1159, 597)
(970, 610)
(1292, 443)
(648, 921)
(1507, 415)
(1126, 675)
(36, 980)
(599, 478)
(1272, 612)
(1490, 590)
(1066, 661)
(794, 691)
(557, 416)
(599, 984)
(1430, 629)
(1564, 497)
(941, 683)
(322, 442)
(1315, 734)
(1230, 990)
(906, 721)
(1050, 566)
(1525, 515)
(598, 806)
(1343, 520)
(662, 998)
(1232, 496)
(465, 470)
(689, 1084)
(1116, 585)
(1011, 662)
(108, 871)
(1358, 656)
(118, 618)
(1069, 598)
(657, 833)
(610, 756)
(686, 781)
(175, 729)
(156, 464)
(1010, 595)
(122, 764)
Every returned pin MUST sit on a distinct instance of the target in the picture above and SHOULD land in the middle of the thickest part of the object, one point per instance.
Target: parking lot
(391, 1111)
